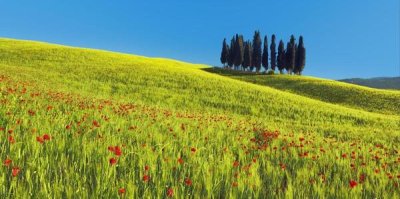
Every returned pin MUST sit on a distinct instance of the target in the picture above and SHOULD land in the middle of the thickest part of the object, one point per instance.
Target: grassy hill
(379, 82)
(348, 95)
(179, 127)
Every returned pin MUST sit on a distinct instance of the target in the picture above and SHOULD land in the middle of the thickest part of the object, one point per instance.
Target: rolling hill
(91, 123)
(378, 82)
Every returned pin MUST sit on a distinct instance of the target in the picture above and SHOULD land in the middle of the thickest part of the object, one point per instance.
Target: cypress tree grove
(231, 57)
(224, 53)
(256, 59)
(300, 56)
(239, 51)
(281, 57)
(273, 53)
(265, 54)
(292, 54)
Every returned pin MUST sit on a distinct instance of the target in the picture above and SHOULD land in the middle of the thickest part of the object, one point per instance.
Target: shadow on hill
(230, 72)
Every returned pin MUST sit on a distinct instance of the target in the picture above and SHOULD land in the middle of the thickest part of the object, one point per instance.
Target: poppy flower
(235, 163)
(193, 149)
(11, 139)
(7, 162)
(353, 183)
(15, 171)
(117, 151)
(40, 140)
(121, 191)
(113, 161)
(68, 127)
(146, 178)
(146, 168)
(344, 155)
(180, 161)
(188, 182)
(46, 137)
(170, 192)
(301, 139)
(95, 123)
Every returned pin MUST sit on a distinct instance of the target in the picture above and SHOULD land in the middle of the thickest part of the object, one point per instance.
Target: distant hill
(378, 82)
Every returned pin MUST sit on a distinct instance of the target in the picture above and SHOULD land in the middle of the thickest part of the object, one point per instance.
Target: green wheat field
(83, 123)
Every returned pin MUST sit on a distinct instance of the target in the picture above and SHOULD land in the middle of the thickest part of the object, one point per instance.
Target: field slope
(88, 123)
(349, 95)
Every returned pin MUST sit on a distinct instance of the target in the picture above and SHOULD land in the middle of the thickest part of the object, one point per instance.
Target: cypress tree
(281, 57)
(224, 53)
(273, 53)
(251, 56)
(239, 51)
(300, 56)
(265, 54)
(256, 59)
(247, 55)
(231, 57)
(287, 57)
(292, 54)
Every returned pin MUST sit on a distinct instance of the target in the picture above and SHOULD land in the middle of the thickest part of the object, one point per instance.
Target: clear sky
(357, 38)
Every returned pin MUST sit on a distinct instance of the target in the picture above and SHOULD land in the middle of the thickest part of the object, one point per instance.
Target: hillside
(348, 95)
(378, 82)
(88, 123)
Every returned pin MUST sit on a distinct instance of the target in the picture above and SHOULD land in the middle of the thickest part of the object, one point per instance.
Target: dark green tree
(281, 57)
(247, 55)
(265, 54)
(292, 54)
(256, 59)
(239, 51)
(287, 57)
(231, 57)
(273, 53)
(224, 53)
(300, 56)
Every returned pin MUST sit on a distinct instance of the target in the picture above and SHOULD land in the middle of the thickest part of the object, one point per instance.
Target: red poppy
(121, 191)
(68, 127)
(40, 140)
(10, 131)
(146, 178)
(180, 161)
(193, 149)
(362, 178)
(301, 139)
(235, 163)
(188, 182)
(344, 155)
(95, 123)
(11, 139)
(15, 171)
(353, 183)
(117, 151)
(283, 166)
(113, 161)
(377, 170)
(146, 168)
(46, 137)
(7, 162)
(170, 192)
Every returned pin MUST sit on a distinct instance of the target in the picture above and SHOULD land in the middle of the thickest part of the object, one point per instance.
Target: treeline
(251, 55)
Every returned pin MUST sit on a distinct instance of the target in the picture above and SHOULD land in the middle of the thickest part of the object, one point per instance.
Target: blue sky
(358, 38)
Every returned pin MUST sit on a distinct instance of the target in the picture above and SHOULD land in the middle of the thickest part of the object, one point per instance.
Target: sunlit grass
(227, 137)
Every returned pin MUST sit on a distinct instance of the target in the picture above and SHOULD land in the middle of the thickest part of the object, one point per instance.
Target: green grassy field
(185, 130)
